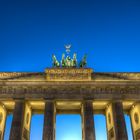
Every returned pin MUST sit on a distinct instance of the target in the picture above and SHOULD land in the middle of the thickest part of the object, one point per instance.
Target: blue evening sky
(108, 31)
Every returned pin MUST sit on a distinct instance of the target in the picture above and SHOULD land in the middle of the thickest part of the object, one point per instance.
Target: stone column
(49, 115)
(119, 121)
(3, 114)
(27, 122)
(116, 122)
(135, 120)
(17, 123)
(88, 122)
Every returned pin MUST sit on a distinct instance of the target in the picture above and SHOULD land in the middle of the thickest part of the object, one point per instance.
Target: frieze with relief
(68, 74)
(18, 75)
(65, 89)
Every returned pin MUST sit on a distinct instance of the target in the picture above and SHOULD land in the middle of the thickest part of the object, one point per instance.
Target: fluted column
(116, 122)
(88, 122)
(49, 115)
(3, 114)
(135, 120)
(119, 121)
(17, 123)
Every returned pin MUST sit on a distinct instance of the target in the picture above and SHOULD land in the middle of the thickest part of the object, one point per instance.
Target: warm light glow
(68, 104)
(37, 104)
(100, 104)
(69, 137)
(9, 104)
(127, 104)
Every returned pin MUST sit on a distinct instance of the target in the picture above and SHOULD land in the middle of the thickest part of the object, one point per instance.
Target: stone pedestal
(88, 122)
(49, 115)
(17, 123)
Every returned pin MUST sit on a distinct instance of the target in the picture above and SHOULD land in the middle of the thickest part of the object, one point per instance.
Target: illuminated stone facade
(56, 92)
(68, 74)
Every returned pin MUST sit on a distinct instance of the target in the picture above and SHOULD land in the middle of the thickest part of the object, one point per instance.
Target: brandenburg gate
(70, 90)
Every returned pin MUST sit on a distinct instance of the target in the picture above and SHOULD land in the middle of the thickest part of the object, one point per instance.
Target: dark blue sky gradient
(107, 30)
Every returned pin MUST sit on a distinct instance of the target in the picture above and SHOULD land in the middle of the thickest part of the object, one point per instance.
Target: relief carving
(109, 118)
(26, 135)
(68, 74)
(136, 117)
(1, 117)
(86, 89)
(111, 134)
(0, 135)
(27, 118)
(137, 133)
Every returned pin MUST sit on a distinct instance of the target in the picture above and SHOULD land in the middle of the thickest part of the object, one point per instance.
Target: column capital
(111, 102)
(19, 100)
(3, 106)
(49, 100)
(117, 101)
(87, 101)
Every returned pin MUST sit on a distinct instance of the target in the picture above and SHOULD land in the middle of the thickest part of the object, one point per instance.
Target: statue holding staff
(55, 61)
(83, 62)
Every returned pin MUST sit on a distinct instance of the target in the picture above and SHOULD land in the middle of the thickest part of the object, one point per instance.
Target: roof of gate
(40, 76)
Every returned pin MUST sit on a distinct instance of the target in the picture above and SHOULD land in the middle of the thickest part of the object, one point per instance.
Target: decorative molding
(69, 89)
(111, 134)
(68, 74)
(94, 76)
(137, 133)
(118, 75)
(12, 75)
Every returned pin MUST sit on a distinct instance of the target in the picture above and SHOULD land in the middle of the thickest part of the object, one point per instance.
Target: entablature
(41, 76)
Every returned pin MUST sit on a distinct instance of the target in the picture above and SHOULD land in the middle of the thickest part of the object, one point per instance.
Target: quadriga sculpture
(55, 61)
(68, 62)
(83, 62)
